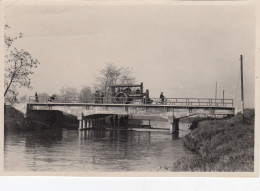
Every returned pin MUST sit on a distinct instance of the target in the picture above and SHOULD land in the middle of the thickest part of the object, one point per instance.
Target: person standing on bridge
(97, 97)
(102, 97)
(36, 97)
(162, 97)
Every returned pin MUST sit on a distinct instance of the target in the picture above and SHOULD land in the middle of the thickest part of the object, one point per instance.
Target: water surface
(103, 150)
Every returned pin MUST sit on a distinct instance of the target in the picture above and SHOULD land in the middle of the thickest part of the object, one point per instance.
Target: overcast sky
(180, 50)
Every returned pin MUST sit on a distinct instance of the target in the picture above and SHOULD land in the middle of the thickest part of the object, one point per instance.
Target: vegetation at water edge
(221, 145)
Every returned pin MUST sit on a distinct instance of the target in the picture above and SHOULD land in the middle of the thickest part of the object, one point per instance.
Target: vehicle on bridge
(126, 94)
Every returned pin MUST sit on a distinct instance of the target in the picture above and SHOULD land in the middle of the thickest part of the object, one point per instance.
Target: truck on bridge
(126, 94)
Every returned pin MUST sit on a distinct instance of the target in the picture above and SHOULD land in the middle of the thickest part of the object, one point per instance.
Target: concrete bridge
(173, 109)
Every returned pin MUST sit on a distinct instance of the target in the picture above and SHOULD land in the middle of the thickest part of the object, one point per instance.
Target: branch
(7, 88)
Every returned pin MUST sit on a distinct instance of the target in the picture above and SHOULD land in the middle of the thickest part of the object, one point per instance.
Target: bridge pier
(80, 124)
(83, 124)
(174, 127)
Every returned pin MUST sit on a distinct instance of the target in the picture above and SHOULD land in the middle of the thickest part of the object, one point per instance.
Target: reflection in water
(103, 150)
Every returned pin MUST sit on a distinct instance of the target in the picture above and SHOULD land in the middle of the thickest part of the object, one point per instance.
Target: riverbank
(15, 120)
(220, 145)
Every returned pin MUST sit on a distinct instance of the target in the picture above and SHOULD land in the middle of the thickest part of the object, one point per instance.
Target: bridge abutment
(174, 125)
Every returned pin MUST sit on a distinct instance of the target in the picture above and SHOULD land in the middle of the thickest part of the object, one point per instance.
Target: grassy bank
(221, 145)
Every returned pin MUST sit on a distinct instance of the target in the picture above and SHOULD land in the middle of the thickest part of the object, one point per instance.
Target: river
(93, 150)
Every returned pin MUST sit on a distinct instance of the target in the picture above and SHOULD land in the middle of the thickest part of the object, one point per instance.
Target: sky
(181, 50)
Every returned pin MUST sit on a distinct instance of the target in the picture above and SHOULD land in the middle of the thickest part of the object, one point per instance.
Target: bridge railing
(151, 101)
(196, 102)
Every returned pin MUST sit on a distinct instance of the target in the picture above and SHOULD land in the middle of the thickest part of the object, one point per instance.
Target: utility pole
(242, 87)
(223, 96)
(216, 92)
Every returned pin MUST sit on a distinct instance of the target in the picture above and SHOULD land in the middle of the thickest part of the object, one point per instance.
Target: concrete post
(171, 127)
(84, 124)
(171, 120)
(87, 123)
(188, 112)
(80, 124)
(80, 119)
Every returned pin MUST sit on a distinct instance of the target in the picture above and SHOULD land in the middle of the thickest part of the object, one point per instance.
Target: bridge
(91, 109)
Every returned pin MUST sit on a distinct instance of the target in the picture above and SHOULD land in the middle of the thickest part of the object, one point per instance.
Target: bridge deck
(152, 102)
(135, 105)
(178, 106)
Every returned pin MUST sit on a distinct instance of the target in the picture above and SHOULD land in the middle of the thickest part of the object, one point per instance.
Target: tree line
(110, 75)
(20, 65)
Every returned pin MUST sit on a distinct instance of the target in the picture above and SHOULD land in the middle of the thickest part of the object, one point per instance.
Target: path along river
(101, 151)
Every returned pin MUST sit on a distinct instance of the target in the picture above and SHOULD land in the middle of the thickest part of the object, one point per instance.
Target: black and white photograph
(163, 88)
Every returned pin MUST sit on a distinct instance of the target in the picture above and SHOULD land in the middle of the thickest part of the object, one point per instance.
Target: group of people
(50, 99)
(36, 97)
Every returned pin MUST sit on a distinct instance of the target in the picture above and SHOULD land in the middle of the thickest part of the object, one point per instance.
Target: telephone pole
(242, 86)
(223, 96)
(216, 92)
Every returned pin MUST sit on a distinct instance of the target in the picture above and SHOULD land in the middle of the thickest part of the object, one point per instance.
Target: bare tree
(108, 76)
(18, 68)
(68, 94)
(85, 94)
(23, 99)
(126, 76)
(10, 40)
(11, 97)
(112, 75)
(43, 94)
